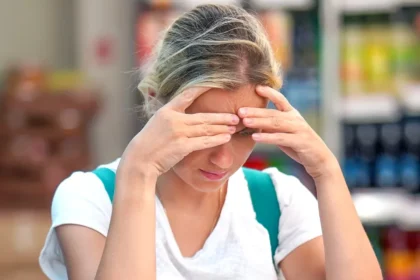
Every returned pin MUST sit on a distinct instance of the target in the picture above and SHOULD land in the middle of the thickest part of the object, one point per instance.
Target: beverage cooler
(380, 124)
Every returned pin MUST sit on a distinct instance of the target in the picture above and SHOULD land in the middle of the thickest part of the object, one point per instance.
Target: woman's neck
(173, 192)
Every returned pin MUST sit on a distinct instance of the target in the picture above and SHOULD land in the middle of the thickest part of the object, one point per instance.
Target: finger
(281, 139)
(186, 98)
(276, 97)
(249, 112)
(272, 124)
(205, 142)
(209, 130)
(211, 118)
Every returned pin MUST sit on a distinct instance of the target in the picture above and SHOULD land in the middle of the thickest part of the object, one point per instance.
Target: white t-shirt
(238, 247)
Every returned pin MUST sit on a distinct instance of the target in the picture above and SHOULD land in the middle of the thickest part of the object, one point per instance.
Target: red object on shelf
(258, 163)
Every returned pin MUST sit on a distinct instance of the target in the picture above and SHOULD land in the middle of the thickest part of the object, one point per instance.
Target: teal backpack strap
(107, 176)
(266, 205)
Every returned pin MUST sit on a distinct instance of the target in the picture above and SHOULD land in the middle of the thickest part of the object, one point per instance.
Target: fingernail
(242, 111)
(256, 136)
(247, 121)
(232, 129)
(227, 137)
(235, 119)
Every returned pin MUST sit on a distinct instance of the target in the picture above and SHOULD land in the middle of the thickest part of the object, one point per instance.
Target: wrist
(135, 187)
(139, 174)
(331, 170)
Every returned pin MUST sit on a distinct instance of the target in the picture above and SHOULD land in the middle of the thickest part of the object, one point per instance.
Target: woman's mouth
(213, 176)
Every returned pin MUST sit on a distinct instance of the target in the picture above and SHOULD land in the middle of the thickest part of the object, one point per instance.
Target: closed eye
(246, 132)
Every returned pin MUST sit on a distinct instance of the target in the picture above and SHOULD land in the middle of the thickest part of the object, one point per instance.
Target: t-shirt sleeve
(80, 200)
(299, 221)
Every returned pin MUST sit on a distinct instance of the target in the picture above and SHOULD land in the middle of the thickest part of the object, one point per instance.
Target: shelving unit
(361, 6)
(284, 4)
(376, 206)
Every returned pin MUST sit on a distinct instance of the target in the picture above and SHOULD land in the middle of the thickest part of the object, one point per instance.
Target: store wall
(105, 54)
(65, 34)
(40, 30)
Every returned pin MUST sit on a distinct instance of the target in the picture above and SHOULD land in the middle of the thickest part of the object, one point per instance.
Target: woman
(182, 209)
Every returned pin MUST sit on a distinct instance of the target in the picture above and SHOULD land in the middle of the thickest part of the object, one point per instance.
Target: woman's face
(209, 169)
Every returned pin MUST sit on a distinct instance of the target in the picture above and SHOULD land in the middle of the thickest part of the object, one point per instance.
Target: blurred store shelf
(370, 108)
(381, 108)
(410, 218)
(262, 4)
(286, 4)
(407, 2)
(411, 99)
(378, 206)
(387, 206)
(363, 6)
(189, 4)
(371, 6)
(44, 134)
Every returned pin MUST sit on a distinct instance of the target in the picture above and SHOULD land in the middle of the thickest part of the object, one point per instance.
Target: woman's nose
(222, 156)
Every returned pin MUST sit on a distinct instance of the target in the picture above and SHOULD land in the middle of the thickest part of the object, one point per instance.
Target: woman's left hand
(286, 128)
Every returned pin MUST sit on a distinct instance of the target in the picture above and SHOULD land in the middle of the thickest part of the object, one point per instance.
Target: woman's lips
(212, 176)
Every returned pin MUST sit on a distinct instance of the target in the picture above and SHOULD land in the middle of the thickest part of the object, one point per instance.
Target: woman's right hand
(171, 134)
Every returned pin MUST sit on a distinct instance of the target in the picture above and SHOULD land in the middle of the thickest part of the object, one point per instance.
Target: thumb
(181, 102)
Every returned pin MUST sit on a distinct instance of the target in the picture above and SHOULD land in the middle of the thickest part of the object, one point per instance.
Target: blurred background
(69, 71)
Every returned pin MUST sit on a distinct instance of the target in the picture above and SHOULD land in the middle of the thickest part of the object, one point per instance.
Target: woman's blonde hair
(219, 46)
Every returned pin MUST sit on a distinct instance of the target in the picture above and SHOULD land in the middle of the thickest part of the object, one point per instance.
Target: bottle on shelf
(378, 55)
(352, 43)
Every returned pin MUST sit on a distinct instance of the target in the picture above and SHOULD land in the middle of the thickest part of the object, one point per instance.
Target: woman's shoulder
(299, 221)
(82, 199)
(289, 188)
(83, 183)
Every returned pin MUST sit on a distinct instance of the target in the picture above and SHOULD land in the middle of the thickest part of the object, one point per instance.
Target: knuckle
(207, 130)
(206, 141)
(297, 114)
(290, 121)
(276, 122)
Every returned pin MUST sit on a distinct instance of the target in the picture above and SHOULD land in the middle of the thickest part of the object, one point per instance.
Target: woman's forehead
(223, 101)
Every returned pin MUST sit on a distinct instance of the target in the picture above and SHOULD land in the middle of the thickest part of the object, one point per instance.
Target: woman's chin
(203, 185)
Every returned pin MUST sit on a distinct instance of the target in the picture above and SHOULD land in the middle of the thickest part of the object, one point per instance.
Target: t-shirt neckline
(211, 241)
